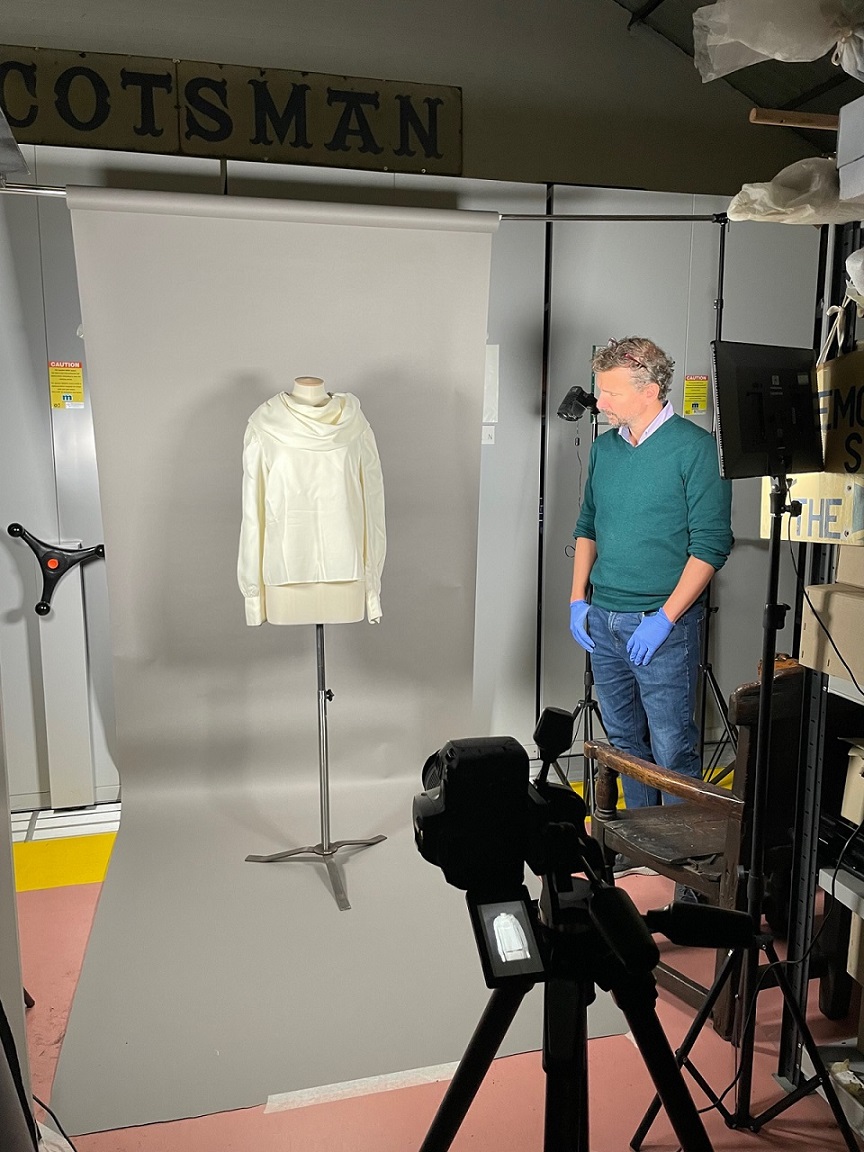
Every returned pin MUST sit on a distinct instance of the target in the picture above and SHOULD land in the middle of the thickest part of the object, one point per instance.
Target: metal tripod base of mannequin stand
(327, 855)
(326, 849)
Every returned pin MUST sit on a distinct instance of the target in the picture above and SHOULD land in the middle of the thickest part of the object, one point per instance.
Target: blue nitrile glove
(579, 624)
(648, 637)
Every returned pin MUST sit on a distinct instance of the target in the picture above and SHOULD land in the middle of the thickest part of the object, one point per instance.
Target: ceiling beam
(816, 90)
(644, 12)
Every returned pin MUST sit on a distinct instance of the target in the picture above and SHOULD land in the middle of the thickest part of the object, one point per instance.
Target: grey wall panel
(26, 495)
(610, 278)
(11, 994)
(660, 280)
(27, 491)
(77, 478)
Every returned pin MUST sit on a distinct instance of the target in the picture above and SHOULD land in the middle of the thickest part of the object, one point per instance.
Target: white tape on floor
(284, 1101)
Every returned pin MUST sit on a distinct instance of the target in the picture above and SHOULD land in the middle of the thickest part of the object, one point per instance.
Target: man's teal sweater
(649, 508)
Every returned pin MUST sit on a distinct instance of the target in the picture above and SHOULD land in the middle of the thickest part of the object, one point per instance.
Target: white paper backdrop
(210, 983)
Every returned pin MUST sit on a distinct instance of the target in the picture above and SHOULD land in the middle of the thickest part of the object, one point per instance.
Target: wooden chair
(704, 842)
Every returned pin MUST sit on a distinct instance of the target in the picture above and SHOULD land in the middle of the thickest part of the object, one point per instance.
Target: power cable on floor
(56, 1121)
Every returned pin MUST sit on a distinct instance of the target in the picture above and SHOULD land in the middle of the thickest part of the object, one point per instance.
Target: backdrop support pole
(707, 679)
(325, 850)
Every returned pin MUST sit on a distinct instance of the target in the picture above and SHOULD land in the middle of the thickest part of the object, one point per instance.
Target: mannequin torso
(332, 603)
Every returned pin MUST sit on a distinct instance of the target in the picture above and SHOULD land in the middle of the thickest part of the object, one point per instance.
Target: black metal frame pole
(772, 622)
(587, 707)
(707, 678)
(544, 437)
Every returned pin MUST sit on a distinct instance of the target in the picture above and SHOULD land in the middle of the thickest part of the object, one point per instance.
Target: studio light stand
(708, 682)
(574, 405)
(326, 848)
(707, 679)
(773, 430)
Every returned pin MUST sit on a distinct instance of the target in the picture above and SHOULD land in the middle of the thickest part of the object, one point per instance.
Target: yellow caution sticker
(66, 378)
(695, 395)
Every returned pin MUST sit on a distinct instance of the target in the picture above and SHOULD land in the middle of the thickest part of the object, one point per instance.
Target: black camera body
(476, 818)
(480, 820)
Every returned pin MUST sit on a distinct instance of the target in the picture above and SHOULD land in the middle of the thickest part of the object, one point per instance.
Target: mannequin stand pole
(325, 850)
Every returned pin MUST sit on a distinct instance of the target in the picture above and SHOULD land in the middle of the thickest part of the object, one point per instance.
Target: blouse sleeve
(374, 535)
(249, 561)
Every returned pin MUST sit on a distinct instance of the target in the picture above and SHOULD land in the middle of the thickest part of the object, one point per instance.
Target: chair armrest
(695, 791)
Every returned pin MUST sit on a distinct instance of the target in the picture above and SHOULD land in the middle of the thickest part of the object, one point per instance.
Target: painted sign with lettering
(186, 107)
(833, 500)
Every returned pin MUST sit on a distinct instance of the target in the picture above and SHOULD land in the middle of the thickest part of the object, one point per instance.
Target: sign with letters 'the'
(130, 103)
(832, 501)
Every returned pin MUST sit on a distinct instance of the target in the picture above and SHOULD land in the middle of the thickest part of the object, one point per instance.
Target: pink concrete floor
(506, 1116)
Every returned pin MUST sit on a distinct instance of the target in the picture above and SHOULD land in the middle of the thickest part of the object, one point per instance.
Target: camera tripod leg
(484, 1044)
(565, 1062)
(636, 999)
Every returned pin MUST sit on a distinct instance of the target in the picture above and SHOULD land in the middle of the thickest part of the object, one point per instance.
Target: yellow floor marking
(58, 863)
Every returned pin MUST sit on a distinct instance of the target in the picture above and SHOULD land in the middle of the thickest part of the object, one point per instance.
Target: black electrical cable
(56, 1121)
(819, 619)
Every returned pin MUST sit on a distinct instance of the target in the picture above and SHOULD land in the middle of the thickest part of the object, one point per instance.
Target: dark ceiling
(817, 86)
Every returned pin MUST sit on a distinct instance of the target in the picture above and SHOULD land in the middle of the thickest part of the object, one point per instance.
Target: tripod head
(481, 820)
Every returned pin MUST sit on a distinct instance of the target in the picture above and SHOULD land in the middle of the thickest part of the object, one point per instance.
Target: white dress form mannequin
(309, 390)
(329, 603)
(318, 604)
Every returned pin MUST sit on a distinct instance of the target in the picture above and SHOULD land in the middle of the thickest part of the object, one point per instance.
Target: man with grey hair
(655, 526)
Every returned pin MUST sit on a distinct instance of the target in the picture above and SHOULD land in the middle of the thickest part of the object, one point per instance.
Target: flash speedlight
(576, 403)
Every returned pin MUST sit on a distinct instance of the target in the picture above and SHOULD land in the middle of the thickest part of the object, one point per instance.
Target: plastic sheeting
(855, 272)
(11, 156)
(733, 34)
(807, 192)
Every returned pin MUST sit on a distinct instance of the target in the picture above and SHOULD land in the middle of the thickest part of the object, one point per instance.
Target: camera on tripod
(481, 819)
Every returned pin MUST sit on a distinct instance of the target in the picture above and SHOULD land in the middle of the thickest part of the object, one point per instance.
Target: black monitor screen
(767, 415)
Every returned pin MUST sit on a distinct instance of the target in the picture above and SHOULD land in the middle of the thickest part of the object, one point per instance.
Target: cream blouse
(313, 500)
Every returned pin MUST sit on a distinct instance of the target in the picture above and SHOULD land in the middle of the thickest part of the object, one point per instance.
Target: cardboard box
(850, 150)
(841, 609)
(850, 566)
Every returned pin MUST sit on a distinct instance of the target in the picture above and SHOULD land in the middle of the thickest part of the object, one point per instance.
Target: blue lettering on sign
(818, 517)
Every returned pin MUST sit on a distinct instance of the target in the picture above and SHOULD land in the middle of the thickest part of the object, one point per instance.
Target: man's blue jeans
(648, 710)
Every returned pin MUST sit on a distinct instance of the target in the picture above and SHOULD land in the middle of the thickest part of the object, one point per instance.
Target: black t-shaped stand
(54, 562)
